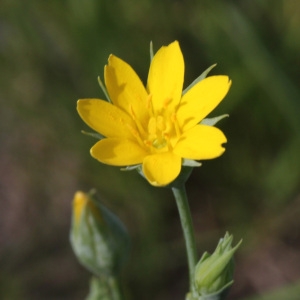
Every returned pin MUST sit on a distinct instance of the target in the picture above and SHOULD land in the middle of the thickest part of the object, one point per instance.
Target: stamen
(135, 134)
(132, 112)
(137, 122)
(152, 127)
(147, 143)
(150, 106)
(167, 102)
(176, 125)
(163, 127)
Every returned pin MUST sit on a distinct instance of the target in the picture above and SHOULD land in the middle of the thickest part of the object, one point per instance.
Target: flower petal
(118, 152)
(105, 118)
(125, 88)
(201, 99)
(201, 142)
(165, 78)
(162, 168)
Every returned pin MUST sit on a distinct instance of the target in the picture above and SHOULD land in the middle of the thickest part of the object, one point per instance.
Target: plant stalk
(188, 231)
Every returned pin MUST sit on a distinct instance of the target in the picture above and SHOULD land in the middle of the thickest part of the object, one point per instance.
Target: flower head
(156, 126)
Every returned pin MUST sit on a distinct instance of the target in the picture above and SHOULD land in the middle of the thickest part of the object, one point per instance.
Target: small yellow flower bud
(98, 238)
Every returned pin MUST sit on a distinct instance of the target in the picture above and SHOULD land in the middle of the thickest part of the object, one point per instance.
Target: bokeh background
(51, 53)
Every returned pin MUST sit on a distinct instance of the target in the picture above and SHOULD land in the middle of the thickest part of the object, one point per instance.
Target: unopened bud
(214, 272)
(98, 238)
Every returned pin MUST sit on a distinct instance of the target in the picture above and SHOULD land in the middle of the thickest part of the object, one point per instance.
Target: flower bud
(98, 238)
(214, 272)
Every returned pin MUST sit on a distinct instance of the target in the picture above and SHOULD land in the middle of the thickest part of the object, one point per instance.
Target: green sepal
(213, 121)
(186, 170)
(191, 163)
(131, 168)
(151, 51)
(95, 135)
(185, 162)
(99, 289)
(104, 288)
(198, 79)
(181, 179)
(220, 295)
(104, 90)
(185, 173)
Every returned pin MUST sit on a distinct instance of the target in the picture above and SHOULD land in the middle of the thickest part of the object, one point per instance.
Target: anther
(176, 125)
(150, 106)
(167, 102)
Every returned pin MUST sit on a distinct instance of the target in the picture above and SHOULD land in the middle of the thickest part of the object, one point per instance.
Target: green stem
(115, 288)
(188, 230)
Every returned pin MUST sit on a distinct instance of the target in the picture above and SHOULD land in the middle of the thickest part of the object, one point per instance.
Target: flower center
(157, 132)
(162, 130)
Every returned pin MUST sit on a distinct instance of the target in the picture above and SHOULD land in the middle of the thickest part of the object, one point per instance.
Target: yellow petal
(118, 152)
(201, 99)
(162, 168)
(125, 88)
(105, 118)
(165, 77)
(201, 142)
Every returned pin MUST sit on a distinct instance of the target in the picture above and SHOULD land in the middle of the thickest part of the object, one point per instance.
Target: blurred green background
(51, 53)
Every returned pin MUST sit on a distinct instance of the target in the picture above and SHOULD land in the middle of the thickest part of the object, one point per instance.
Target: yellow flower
(156, 126)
